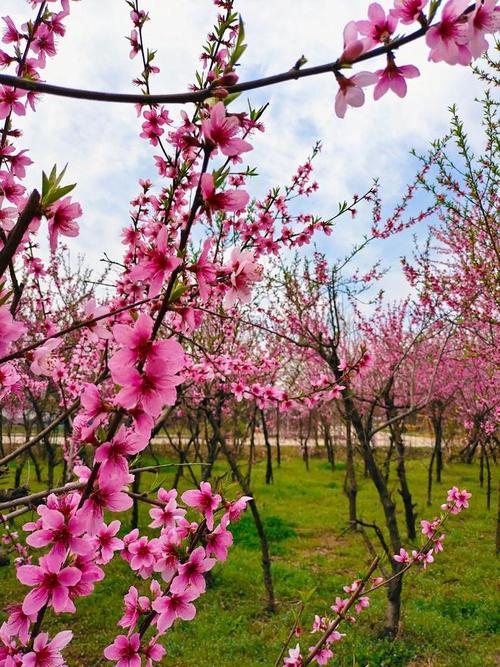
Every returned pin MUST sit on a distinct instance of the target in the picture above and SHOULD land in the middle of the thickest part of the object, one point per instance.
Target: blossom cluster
(79, 546)
(458, 38)
(349, 608)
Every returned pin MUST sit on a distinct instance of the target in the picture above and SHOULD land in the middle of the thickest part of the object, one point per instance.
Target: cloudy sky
(106, 158)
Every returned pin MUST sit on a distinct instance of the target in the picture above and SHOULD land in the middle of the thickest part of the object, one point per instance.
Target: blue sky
(106, 158)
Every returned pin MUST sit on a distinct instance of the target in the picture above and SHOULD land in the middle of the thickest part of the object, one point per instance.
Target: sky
(106, 157)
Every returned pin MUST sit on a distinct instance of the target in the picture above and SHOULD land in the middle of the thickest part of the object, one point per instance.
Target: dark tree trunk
(36, 466)
(388, 458)
(350, 486)
(389, 507)
(393, 610)
(278, 445)
(18, 473)
(429, 476)
(488, 480)
(438, 430)
(396, 429)
(251, 453)
(498, 523)
(328, 440)
(303, 445)
(269, 457)
(404, 489)
(264, 545)
(213, 446)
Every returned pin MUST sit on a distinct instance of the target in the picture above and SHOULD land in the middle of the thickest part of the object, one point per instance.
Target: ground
(450, 613)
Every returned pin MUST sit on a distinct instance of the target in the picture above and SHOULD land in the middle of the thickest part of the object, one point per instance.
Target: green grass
(450, 613)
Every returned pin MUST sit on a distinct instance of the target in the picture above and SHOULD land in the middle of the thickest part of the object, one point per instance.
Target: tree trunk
(393, 610)
(278, 446)
(488, 480)
(404, 489)
(350, 486)
(269, 459)
(498, 523)
(264, 545)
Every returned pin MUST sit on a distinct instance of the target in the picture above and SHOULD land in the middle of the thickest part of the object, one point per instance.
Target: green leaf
(230, 98)
(178, 291)
(55, 195)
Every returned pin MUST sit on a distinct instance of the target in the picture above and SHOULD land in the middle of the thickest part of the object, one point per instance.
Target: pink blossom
(448, 39)
(323, 656)
(113, 455)
(153, 652)
(10, 329)
(125, 650)
(353, 46)
(237, 507)
(158, 265)
(107, 542)
(167, 555)
(460, 498)
(166, 517)
(97, 329)
(424, 558)
(294, 658)
(339, 605)
(152, 128)
(243, 273)
(142, 553)
(204, 501)
(9, 378)
(403, 557)
(429, 527)
(41, 357)
(50, 585)
(153, 389)
(408, 11)
(393, 78)
(378, 28)
(9, 101)
(177, 605)
(221, 129)
(47, 653)
(62, 216)
(137, 345)
(485, 18)
(95, 410)
(135, 605)
(205, 271)
(350, 91)
(10, 32)
(226, 200)
(59, 531)
(102, 497)
(90, 575)
(18, 163)
(44, 44)
(134, 43)
(362, 603)
(219, 541)
(11, 190)
(18, 623)
(191, 572)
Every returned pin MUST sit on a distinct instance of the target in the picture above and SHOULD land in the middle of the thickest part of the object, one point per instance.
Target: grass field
(450, 613)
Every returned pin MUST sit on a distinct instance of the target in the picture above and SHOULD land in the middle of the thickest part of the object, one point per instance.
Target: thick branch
(30, 211)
